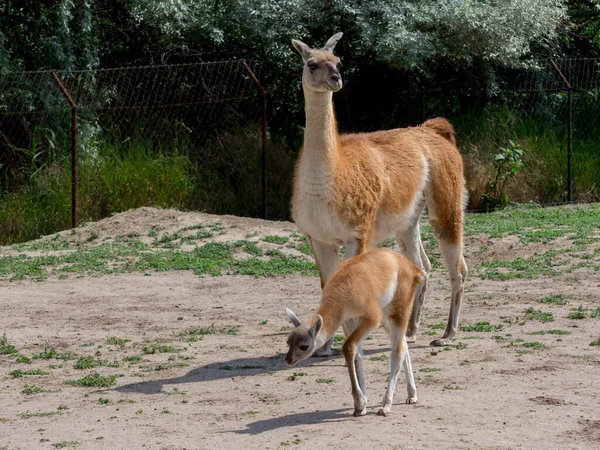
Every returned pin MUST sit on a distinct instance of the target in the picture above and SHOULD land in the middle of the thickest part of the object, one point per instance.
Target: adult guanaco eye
(312, 66)
(303, 347)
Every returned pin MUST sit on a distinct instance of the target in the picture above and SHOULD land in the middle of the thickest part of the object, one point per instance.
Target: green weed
(93, 380)
(556, 299)
(540, 315)
(18, 373)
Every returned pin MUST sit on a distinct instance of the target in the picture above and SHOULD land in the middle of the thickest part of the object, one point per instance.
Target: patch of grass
(62, 407)
(543, 332)
(263, 322)
(325, 380)
(252, 249)
(480, 327)
(65, 444)
(296, 375)
(430, 369)
(195, 334)
(438, 326)
(538, 314)
(5, 347)
(156, 348)
(32, 389)
(93, 380)
(88, 362)
(18, 373)
(461, 346)
(103, 401)
(555, 299)
(452, 387)
(113, 340)
(133, 358)
(379, 358)
(535, 345)
(527, 268)
(595, 343)
(23, 359)
(276, 239)
(40, 414)
(51, 353)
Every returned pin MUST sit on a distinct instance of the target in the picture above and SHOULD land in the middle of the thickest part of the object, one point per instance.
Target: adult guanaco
(356, 190)
(375, 287)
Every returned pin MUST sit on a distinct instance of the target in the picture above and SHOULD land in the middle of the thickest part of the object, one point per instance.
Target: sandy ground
(234, 391)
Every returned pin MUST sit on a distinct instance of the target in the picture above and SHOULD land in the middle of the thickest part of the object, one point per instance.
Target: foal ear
(302, 48)
(293, 317)
(316, 326)
(332, 41)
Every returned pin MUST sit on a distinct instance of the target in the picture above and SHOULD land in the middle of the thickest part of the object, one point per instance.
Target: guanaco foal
(355, 190)
(376, 287)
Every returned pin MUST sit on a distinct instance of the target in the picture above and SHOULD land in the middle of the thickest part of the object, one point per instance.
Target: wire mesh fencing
(211, 114)
(559, 105)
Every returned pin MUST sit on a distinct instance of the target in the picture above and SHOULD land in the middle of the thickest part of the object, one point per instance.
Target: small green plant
(379, 358)
(113, 340)
(480, 327)
(18, 373)
(325, 380)
(51, 353)
(175, 391)
(93, 380)
(103, 401)
(540, 315)
(133, 358)
(535, 345)
(595, 343)
(543, 332)
(23, 359)
(5, 347)
(40, 414)
(263, 322)
(507, 163)
(296, 375)
(276, 239)
(430, 369)
(62, 407)
(65, 444)
(156, 348)
(438, 326)
(28, 390)
(556, 299)
(461, 346)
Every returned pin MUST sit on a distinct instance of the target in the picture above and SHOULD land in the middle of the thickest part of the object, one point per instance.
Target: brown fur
(353, 295)
(359, 189)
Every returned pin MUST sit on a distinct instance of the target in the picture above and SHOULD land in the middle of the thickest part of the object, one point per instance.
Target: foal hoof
(411, 400)
(383, 412)
(360, 412)
(411, 339)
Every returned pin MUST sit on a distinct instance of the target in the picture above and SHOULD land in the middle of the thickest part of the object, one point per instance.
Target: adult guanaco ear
(332, 41)
(316, 326)
(293, 317)
(302, 48)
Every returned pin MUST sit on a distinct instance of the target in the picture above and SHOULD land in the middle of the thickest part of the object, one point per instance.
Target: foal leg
(349, 352)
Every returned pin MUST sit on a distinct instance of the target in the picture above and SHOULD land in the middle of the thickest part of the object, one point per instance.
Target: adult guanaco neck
(320, 151)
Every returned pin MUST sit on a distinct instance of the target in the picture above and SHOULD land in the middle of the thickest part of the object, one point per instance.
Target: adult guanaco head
(321, 66)
(302, 341)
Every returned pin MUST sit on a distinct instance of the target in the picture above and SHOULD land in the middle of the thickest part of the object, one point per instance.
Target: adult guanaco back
(355, 190)
(376, 287)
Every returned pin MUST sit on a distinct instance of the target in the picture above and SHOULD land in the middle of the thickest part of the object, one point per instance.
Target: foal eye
(303, 347)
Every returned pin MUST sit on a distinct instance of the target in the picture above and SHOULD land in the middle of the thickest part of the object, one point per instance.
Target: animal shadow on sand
(232, 368)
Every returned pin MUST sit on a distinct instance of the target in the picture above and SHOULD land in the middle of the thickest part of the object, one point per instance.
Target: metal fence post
(263, 139)
(570, 147)
(569, 133)
(65, 93)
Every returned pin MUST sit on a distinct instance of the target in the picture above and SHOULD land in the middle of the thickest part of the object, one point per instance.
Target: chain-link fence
(559, 103)
(195, 109)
